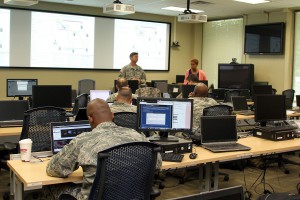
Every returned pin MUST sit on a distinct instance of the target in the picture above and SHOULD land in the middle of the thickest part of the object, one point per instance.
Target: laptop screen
(239, 103)
(63, 132)
(101, 94)
(218, 129)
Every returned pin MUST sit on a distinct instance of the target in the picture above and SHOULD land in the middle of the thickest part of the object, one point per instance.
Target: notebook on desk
(219, 134)
(12, 112)
(63, 132)
(240, 106)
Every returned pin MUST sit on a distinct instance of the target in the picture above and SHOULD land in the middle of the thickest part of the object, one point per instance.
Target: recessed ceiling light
(253, 1)
(178, 9)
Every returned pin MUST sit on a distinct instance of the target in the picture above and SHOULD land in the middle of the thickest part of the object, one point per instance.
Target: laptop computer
(12, 112)
(219, 134)
(81, 115)
(240, 106)
(63, 132)
(101, 94)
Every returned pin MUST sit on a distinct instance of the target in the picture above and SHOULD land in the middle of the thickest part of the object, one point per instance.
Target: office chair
(289, 98)
(126, 119)
(125, 171)
(274, 91)
(36, 126)
(148, 92)
(81, 101)
(85, 85)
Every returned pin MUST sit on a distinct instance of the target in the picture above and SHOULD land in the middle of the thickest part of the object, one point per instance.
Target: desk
(11, 131)
(28, 176)
(241, 117)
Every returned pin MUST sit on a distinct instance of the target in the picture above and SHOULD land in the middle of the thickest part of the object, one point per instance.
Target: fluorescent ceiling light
(173, 8)
(253, 1)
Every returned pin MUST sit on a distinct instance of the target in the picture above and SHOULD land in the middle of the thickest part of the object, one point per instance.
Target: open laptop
(81, 115)
(240, 106)
(101, 94)
(63, 132)
(12, 112)
(218, 134)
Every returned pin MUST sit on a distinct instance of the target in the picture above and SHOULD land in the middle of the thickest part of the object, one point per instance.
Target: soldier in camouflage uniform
(122, 82)
(123, 103)
(82, 150)
(132, 71)
(148, 92)
(201, 101)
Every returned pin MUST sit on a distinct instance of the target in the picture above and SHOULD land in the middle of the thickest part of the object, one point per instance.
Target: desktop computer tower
(182, 146)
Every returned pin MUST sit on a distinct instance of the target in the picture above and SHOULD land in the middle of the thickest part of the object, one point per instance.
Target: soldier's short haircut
(122, 82)
(133, 54)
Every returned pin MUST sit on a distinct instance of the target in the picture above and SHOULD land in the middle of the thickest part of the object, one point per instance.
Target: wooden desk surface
(11, 131)
(34, 174)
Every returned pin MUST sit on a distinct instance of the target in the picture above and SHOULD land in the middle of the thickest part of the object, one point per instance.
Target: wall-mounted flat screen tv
(264, 38)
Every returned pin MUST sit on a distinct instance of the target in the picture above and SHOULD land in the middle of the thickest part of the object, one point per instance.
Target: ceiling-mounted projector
(21, 2)
(117, 8)
(192, 18)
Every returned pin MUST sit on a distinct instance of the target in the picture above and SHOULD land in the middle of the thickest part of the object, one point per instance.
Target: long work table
(32, 175)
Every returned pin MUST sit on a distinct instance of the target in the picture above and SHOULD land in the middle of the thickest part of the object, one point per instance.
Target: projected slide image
(62, 40)
(4, 37)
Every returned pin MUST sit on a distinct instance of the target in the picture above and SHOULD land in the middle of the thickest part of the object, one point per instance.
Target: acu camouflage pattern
(122, 107)
(130, 72)
(148, 92)
(82, 151)
(199, 104)
(112, 97)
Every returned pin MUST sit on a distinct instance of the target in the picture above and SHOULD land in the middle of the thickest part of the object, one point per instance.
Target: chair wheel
(226, 178)
(286, 171)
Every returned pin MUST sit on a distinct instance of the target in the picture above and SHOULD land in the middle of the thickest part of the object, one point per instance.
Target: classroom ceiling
(214, 9)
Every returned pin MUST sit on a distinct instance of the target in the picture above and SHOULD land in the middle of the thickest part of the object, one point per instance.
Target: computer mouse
(193, 155)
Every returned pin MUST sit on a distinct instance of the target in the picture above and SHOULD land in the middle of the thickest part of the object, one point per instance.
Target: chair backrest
(148, 92)
(36, 126)
(289, 98)
(81, 101)
(85, 85)
(125, 171)
(217, 110)
(274, 91)
(126, 119)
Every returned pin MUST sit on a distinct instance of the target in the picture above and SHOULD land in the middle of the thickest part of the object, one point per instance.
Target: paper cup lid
(28, 140)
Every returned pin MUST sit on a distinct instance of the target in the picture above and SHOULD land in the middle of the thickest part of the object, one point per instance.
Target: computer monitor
(13, 110)
(180, 78)
(231, 193)
(52, 95)
(298, 100)
(186, 90)
(101, 94)
(269, 108)
(20, 87)
(261, 89)
(153, 82)
(165, 115)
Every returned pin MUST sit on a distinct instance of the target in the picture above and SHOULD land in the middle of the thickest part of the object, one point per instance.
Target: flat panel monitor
(13, 109)
(20, 87)
(269, 108)
(231, 193)
(52, 95)
(264, 38)
(165, 115)
(186, 90)
(261, 89)
(235, 76)
(101, 94)
(298, 100)
(180, 78)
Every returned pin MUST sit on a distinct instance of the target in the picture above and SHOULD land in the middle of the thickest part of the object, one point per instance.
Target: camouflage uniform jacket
(148, 92)
(82, 151)
(199, 104)
(130, 72)
(122, 107)
(112, 97)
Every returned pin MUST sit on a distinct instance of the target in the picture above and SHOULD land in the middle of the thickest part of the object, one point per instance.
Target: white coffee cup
(25, 149)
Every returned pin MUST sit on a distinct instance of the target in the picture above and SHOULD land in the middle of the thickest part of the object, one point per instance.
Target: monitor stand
(163, 137)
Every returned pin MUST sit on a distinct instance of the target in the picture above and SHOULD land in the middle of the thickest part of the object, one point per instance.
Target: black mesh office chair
(289, 98)
(125, 172)
(85, 85)
(36, 126)
(217, 110)
(81, 101)
(126, 119)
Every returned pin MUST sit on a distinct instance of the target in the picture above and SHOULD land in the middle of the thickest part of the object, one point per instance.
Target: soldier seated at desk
(123, 102)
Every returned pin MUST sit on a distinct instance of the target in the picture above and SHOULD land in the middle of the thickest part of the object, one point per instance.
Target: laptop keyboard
(171, 157)
(277, 128)
(224, 146)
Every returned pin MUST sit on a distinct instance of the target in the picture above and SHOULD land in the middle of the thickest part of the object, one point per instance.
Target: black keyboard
(277, 128)
(224, 145)
(171, 157)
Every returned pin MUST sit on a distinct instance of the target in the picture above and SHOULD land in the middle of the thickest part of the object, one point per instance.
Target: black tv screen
(235, 76)
(264, 38)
